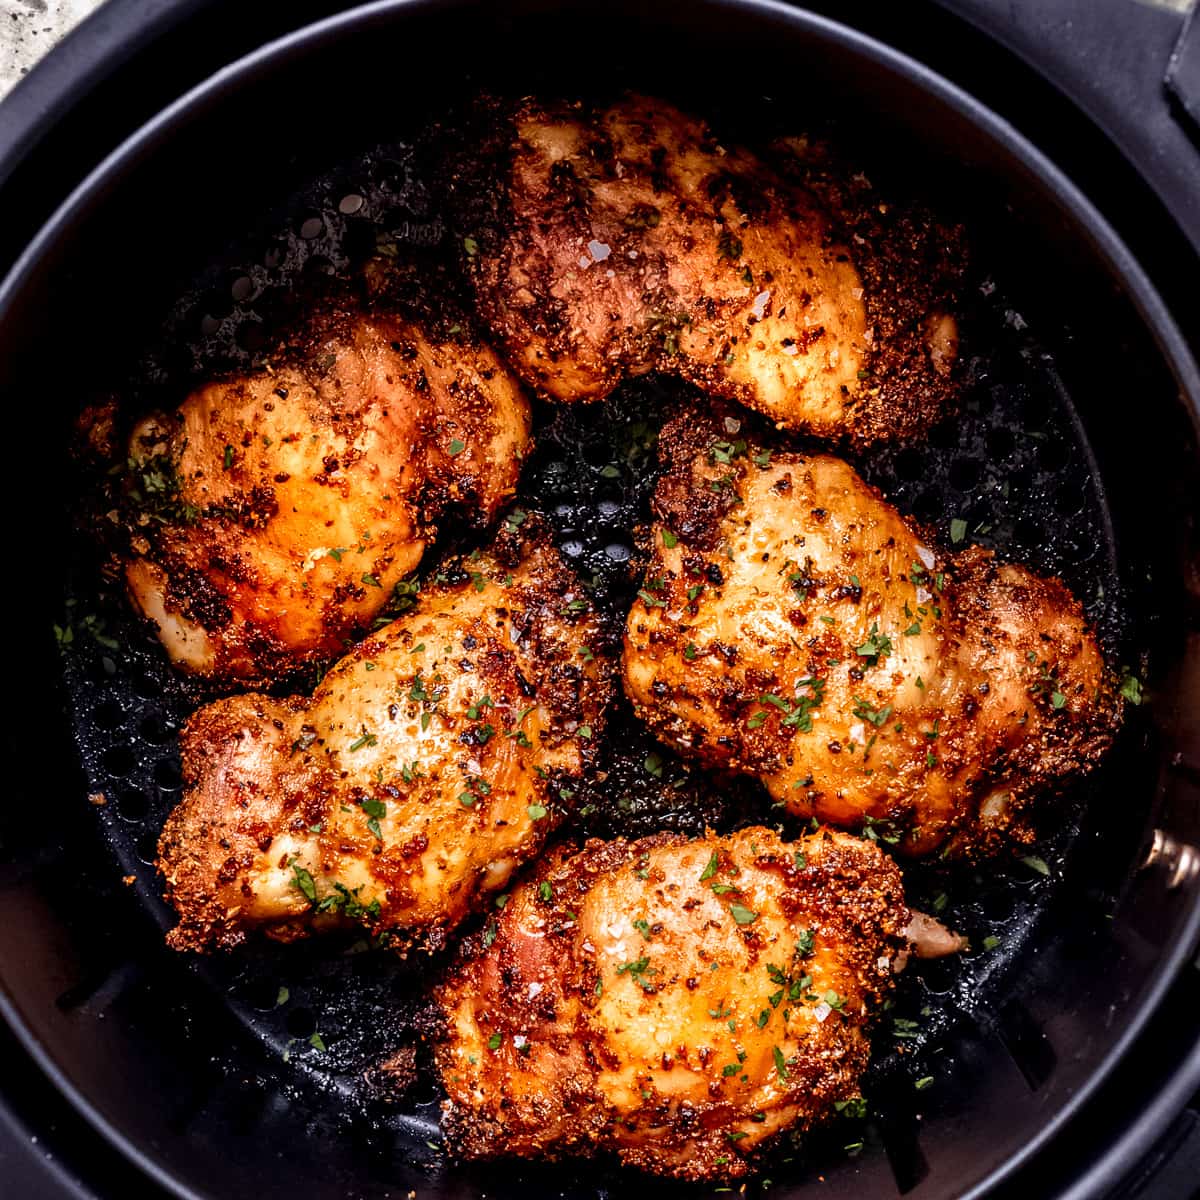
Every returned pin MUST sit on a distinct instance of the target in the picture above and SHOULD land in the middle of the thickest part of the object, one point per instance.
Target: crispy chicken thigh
(793, 626)
(429, 762)
(629, 239)
(679, 1002)
(275, 512)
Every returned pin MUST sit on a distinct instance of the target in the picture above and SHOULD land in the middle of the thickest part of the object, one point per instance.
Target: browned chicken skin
(679, 1002)
(795, 627)
(428, 764)
(628, 239)
(277, 511)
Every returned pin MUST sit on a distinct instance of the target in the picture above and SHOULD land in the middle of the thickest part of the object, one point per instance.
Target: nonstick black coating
(187, 1059)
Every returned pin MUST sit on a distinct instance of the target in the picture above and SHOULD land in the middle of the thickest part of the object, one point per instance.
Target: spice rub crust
(430, 762)
(271, 515)
(628, 238)
(795, 627)
(678, 1002)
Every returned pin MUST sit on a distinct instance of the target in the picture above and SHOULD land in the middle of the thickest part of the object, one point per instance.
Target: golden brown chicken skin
(428, 764)
(793, 626)
(629, 239)
(679, 1002)
(275, 512)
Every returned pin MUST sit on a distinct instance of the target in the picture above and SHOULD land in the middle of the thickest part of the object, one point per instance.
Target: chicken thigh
(628, 239)
(273, 513)
(793, 626)
(679, 1002)
(428, 764)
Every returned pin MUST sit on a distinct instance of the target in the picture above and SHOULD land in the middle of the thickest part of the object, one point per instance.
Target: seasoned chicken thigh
(428, 764)
(629, 239)
(274, 513)
(679, 1002)
(793, 626)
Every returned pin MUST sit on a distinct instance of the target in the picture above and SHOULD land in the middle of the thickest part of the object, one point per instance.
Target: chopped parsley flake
(305, 883)
(878, 645)
(780, 1064)
(876, 716)
(637, 971)
(729, 245)
(726, 452)
(854, 1108)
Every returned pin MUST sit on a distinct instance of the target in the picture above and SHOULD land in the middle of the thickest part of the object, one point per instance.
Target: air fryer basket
(1074, 453)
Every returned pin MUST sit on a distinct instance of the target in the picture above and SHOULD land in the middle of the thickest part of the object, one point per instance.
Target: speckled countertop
(28, 28)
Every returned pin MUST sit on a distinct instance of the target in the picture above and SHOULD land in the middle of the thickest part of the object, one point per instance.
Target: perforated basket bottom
(1014, 464)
